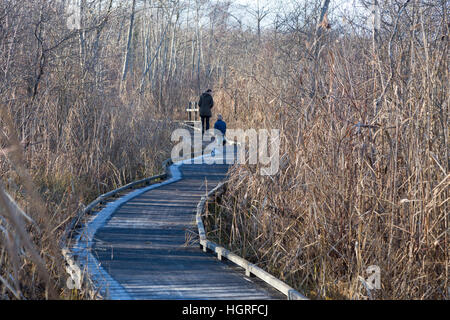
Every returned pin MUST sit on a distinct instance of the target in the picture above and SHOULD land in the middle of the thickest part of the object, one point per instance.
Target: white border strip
(109, 287)
(83, 242)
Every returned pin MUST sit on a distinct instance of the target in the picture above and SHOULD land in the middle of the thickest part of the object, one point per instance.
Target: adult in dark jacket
(206, 103)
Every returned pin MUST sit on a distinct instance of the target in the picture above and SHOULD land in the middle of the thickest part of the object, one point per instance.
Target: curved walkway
(145, 245)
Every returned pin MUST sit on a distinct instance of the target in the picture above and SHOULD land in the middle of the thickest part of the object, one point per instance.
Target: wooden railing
(250, 268)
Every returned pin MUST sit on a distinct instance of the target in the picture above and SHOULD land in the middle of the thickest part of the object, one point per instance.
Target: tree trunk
(128, 53)
(376, 20)
(317, 47)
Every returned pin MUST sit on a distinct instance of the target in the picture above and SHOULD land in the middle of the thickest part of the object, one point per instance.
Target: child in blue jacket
(220, 128)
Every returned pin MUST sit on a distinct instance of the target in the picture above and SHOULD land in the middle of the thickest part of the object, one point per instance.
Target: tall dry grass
(66, 135)
(50, 186)
(360, 183)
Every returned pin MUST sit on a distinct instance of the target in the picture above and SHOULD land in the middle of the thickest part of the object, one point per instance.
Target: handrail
(250, 268)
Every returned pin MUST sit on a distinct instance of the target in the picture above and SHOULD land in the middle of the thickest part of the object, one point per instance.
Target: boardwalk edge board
(76, 269)
(221, 252)
(81, 263)
(109, 288)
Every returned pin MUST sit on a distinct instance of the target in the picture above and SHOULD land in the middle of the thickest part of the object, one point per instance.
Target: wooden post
(189, 113)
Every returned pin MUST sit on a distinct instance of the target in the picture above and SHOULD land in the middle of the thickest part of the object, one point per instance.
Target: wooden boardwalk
(147, 246)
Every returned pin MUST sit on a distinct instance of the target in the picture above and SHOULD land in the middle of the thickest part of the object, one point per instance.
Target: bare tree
(259, 13)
